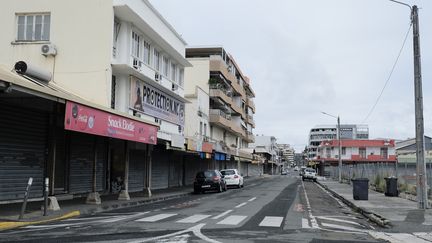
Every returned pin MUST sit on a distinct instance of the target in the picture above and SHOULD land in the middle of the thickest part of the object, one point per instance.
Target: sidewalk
(383, 210)
(9, 213)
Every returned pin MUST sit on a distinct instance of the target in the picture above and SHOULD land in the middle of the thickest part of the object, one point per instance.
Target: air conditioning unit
(199, 113)
(48, 50)
(137, 64)
(158, 77)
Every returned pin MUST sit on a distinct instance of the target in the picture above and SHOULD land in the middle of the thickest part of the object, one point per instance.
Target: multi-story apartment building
(328, 132)
(357, 151)
(267, 147)
(222, 97)
(119, 61)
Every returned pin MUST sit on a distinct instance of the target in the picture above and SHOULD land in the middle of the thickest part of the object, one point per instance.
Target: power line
(390, 75)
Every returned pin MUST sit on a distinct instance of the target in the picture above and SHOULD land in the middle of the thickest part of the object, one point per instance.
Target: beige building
(222, 107)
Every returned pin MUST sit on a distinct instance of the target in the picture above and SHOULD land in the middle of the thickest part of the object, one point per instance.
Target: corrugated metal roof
(358, 143)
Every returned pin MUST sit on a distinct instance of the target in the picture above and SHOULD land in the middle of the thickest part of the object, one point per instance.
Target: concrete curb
(15, 224)
(376, 218)
(7, 225)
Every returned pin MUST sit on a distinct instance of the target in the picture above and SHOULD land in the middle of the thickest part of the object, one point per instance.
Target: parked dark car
(209, 180)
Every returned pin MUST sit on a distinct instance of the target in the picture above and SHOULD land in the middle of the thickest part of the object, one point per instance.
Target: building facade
(129, 72)
(328, 132)
(221, 107)
(267, 147)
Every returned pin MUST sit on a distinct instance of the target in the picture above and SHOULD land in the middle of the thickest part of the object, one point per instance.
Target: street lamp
(339, 142)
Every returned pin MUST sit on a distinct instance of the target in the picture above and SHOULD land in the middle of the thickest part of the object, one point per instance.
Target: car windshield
(310, 170)
(228, 172)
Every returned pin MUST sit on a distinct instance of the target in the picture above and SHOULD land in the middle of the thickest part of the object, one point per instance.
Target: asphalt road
(272, 209)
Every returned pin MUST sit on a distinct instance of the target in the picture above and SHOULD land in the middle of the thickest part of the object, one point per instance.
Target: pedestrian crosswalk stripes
(194, 218)
(156, 217)
(270, 221)
(233, 220)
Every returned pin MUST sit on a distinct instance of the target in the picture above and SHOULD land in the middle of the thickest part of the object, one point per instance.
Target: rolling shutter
(23, 146)
(136, 170)
(160, 168)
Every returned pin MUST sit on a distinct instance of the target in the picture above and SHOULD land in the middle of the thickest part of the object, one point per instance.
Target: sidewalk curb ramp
(376, 218)
(7, 225)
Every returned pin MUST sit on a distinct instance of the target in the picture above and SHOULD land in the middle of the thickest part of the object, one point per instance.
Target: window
(181, 77)
(384, 153)
(156, 59)
(113, 89)
(33, 27)
(165, 66)
(201, 128)
(343, 151)
(136, 41)
(205, 129)
(328, 153)
(146, 53)
(362, 153)
(173, 72)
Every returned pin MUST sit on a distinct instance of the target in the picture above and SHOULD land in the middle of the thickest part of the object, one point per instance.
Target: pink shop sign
(81, 118)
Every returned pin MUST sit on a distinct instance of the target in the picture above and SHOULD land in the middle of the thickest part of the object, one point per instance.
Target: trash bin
(360, 188)
(391, 187)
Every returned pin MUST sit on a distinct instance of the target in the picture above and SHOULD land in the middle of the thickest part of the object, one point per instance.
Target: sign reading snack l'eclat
(81, 118)
(152, 101)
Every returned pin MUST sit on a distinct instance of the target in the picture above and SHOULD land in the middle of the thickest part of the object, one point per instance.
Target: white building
(328, 132)
(121, 56)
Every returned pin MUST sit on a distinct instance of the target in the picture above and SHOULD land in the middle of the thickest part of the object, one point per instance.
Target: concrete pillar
(94, 197)
(124, 194)
(149, 170)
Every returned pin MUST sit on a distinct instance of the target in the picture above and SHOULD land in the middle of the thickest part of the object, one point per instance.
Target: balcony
(251, 104)
(250, 138)
(237, 129)
(237, 109)
(220, 118)
(218, 93)
(217, 64)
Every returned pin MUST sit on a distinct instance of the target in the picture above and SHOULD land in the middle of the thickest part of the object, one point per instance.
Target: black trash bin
(391, 187)
(360, 188)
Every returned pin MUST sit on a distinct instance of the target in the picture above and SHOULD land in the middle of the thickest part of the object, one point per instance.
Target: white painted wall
(82, 33)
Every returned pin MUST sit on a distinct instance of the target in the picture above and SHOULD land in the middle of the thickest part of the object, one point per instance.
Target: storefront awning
(121, 122)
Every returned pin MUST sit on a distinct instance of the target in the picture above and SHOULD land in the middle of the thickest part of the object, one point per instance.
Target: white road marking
(339, 220)
(84, 219)
(241, 205)
(119, 218)
(309, 209)
(194, 218)
(305, 224)
(232, 220)
(336, 226)
(222, 214)
(397, 237)
(157, 217)
(47, 226)
(252, 199)
(196, 230)
(269, 221)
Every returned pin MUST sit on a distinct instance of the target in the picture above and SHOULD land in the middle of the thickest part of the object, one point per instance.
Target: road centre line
(222, 214)
(241, 205)
(252, 199)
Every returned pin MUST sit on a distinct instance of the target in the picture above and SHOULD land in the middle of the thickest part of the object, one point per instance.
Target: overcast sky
(308, 56)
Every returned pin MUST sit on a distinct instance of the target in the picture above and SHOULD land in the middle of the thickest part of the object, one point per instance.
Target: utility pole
(339, 152)
(422, 196)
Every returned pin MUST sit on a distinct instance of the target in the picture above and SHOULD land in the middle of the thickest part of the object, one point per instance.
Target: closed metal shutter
(160, 168)
(81, 163)
(175, 170)
(23, 145)
(136, 170)
(255, 169)
(244, 168)
(192, 167)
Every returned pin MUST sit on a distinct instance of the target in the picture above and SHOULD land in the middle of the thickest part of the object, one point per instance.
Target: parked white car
(232, 177)
(309, 174)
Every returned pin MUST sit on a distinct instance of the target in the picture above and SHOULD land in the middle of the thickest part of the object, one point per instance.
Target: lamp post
(339, 144)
